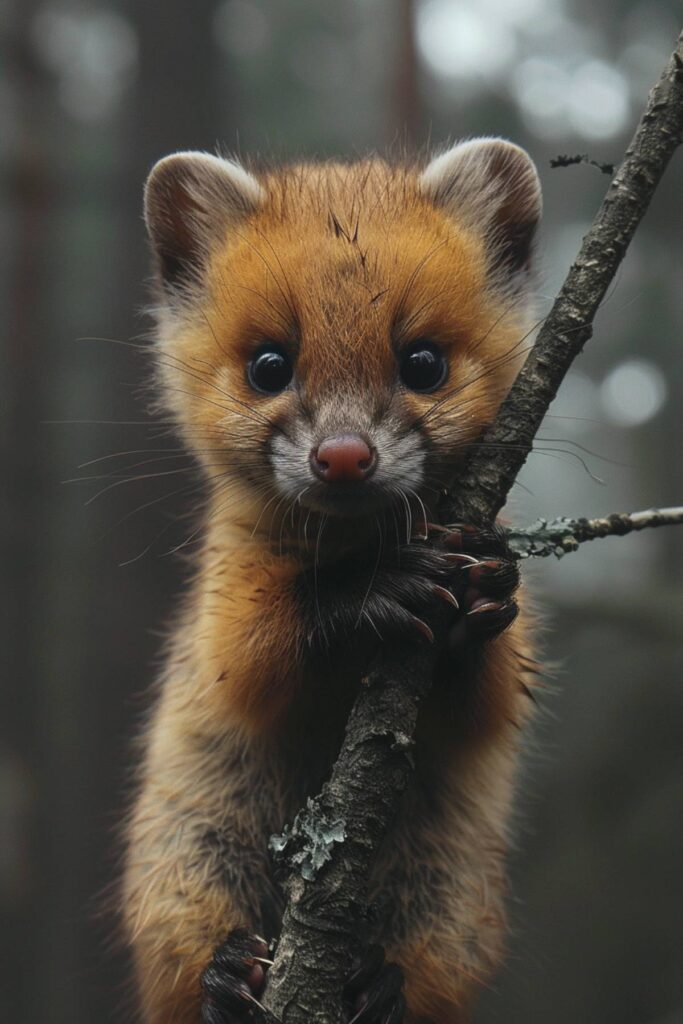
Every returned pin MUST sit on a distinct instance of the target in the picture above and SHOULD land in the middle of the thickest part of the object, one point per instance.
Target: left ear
(192, 200)
(492, 186)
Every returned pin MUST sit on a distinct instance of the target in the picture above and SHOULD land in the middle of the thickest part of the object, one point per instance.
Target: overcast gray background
(90, 95)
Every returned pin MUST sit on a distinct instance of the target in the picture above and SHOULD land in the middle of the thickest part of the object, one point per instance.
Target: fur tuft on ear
(191, 201)
(490, 185)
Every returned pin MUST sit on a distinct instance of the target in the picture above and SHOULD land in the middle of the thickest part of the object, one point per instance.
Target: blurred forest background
(91, 94)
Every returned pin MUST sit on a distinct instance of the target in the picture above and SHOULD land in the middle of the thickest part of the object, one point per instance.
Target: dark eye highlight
(270, 371)
(423, 367)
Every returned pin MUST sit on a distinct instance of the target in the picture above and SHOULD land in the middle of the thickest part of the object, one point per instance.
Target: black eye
(423, 367)
(270, 371)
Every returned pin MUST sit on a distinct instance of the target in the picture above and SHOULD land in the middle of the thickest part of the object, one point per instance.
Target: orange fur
(340, 263)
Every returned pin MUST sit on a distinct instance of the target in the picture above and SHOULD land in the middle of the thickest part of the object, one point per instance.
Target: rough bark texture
(326, 906)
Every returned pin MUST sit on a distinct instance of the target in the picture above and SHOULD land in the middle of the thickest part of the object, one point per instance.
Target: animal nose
(346, 457)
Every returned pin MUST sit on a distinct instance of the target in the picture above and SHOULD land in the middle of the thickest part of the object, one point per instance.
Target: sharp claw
(491, 570)
(446, 595)
(488, 606)
(244, 991)
(423, 628)
(457, 558)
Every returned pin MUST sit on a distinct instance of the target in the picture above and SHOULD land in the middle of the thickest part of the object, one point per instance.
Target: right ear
(493, 185)
(191, 201)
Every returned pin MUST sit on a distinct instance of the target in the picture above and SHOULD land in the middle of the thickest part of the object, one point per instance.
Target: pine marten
(331, 339)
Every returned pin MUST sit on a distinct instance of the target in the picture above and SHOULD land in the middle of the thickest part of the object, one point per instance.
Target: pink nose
(347, 457)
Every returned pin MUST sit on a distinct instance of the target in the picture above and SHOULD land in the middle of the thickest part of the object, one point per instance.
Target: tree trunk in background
(79, 648)
(26, 885)
(407, 103)
(175, 105)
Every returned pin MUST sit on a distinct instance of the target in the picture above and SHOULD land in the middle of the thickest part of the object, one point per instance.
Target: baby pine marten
(331, 339)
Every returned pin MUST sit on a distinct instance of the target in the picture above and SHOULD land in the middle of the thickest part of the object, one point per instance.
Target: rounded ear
(492, 186)
(191, 201)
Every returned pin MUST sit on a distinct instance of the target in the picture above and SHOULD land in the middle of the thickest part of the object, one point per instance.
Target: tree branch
(560, 536)
(332, 848)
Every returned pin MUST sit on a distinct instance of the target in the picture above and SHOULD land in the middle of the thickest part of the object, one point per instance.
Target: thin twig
(560, 536)
(564, 160)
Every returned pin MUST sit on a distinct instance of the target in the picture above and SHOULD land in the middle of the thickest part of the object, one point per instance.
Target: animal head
(332, 337)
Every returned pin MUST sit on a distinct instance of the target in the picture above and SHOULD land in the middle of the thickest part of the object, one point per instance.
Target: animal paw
(458, 579)
(235, 978)
(378, 597)
(467, 574)
(373, 993)
(484, 582)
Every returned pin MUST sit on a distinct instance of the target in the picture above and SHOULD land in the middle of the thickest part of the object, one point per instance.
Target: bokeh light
(633, 392)
(540, 87)
(571, 90)
(461, 41)
(242, 29)
(93, 53)
(598, 100)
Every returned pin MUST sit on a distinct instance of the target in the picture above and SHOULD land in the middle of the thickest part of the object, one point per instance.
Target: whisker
(213, 515)
(373, 575)
(198, 530)
(582, 448)
(556, 452)
(316, 595)
(164, 453)
(155, 501)
(255, 414)
(175, 362)
(262, 513)
(508, 356)
(422, 509)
